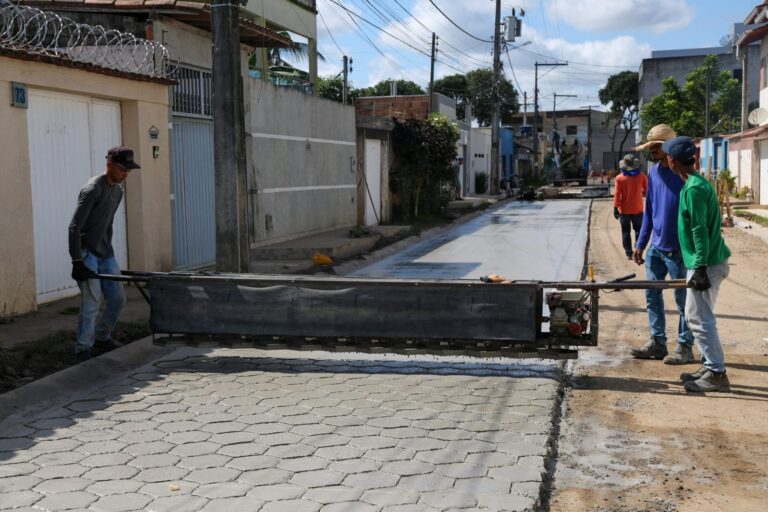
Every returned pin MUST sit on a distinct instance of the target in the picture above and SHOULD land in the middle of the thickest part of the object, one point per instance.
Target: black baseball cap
(122, 156)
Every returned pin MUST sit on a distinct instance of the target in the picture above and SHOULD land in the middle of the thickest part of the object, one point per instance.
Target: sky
(597, 38)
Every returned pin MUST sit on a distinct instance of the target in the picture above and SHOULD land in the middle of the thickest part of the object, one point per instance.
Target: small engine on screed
(569, 312)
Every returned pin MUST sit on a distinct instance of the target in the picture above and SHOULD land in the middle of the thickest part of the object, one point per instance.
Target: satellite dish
(757, 116)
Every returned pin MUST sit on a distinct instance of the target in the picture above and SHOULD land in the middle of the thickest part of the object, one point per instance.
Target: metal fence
(30, 30)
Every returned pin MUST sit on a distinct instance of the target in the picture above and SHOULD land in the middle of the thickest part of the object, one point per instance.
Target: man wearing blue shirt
(664, 257)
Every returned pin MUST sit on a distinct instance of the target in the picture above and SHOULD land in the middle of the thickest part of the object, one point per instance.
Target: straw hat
(657, 135)
(629, 163)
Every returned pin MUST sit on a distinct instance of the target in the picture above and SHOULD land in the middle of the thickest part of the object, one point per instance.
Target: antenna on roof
(757, 116)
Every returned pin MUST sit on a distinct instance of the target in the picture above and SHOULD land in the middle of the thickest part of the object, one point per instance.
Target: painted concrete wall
(479, 157)
(740, 163)
(143, 104)
(302, 170)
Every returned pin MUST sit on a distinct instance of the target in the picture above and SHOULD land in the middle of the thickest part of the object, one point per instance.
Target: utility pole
(432, 70)
(344, 86)
(589, 134)
(230, 182)
(525, 104)
(706, 101)
(495, 101)
(536, 111)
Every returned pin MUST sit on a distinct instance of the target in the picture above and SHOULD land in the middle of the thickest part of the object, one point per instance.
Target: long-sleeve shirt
(628, 193)
(699, 224)
(91, 225)
(661, 208)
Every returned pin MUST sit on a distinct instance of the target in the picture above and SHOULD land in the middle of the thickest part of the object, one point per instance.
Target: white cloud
(622, 15)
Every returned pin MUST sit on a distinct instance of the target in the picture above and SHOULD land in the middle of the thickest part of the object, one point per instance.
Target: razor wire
(33, 31)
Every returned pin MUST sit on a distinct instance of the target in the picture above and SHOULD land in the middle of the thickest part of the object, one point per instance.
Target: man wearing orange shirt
(629, 189)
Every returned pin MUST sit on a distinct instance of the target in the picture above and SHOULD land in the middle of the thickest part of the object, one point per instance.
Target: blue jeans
(91, 292)
(700, 312)
(657, 265)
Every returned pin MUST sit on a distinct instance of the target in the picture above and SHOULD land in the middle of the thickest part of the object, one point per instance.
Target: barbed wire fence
(31, 30)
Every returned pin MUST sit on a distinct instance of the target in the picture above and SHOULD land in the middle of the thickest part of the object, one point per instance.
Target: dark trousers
(629, 221)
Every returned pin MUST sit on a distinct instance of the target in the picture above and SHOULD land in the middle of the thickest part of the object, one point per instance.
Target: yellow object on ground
(320, 259)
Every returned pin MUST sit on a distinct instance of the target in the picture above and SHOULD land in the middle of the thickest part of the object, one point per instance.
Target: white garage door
(68, 140)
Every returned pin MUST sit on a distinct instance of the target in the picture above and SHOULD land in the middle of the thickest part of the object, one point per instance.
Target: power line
(456, 25)
(329, 33)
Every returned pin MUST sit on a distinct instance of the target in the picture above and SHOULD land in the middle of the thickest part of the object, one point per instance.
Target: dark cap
(680, 148)
(122, 156)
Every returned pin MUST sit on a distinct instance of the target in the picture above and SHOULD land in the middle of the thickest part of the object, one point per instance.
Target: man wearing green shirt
(706, 257)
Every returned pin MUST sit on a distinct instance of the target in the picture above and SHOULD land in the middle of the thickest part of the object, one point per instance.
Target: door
(68, 139)
(192, 182)
(372, 183)
(763, 180)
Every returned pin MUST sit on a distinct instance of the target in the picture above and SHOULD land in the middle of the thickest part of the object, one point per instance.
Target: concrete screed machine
(490, 317)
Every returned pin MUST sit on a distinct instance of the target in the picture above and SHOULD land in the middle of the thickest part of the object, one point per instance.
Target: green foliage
(404, 88)
(743, 192)
(622, 94)
(683, 108)
(422, 174)
(728, 181)
(481, 183)
(331, 88)
(476, 88)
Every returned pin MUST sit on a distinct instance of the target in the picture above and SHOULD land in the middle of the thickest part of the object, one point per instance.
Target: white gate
(763, 178)
(68, 141)
(372, 183)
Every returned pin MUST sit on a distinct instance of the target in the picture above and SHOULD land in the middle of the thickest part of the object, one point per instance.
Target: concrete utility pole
(232, 247)
(495, 101)
(345, 73)
(432, 70)
(536, 111)
(589, 133)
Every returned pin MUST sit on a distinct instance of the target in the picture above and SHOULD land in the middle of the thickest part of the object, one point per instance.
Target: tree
(622, 94)
(421, 175)
(683, 108)
(456, 87)
(332, 88)
(404, 88)
(480, 91)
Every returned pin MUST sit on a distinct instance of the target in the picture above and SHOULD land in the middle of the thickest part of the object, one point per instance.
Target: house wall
(740, 163)
(393, 106)
(479, 157)
(304, 182)
(143, 104)
(385, 215)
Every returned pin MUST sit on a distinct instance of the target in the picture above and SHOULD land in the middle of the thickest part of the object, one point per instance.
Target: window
(192, 94)
(571, 129)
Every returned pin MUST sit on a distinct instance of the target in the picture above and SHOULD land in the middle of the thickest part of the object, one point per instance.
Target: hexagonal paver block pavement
(318, 478)
(292, 505)
(425, 482)
(121, 502)
(213, 475)
(371, 480)
(387, 497)
(265, 476)
(66, 501)
(333, 494)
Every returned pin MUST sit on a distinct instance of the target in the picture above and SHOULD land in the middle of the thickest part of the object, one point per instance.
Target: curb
(55, 389)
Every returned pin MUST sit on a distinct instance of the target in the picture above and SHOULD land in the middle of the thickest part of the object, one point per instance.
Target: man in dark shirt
(90, 246)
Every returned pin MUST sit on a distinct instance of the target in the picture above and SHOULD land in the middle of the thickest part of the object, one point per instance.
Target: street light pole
(536, 111)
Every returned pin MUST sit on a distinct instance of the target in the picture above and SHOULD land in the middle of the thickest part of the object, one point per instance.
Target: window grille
(192, 94)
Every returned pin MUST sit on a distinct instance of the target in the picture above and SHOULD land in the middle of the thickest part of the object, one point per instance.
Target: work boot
(651, 350)
(710, 381)
(84, 355)
(108, 344)
(683, 354)
(690, 377)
